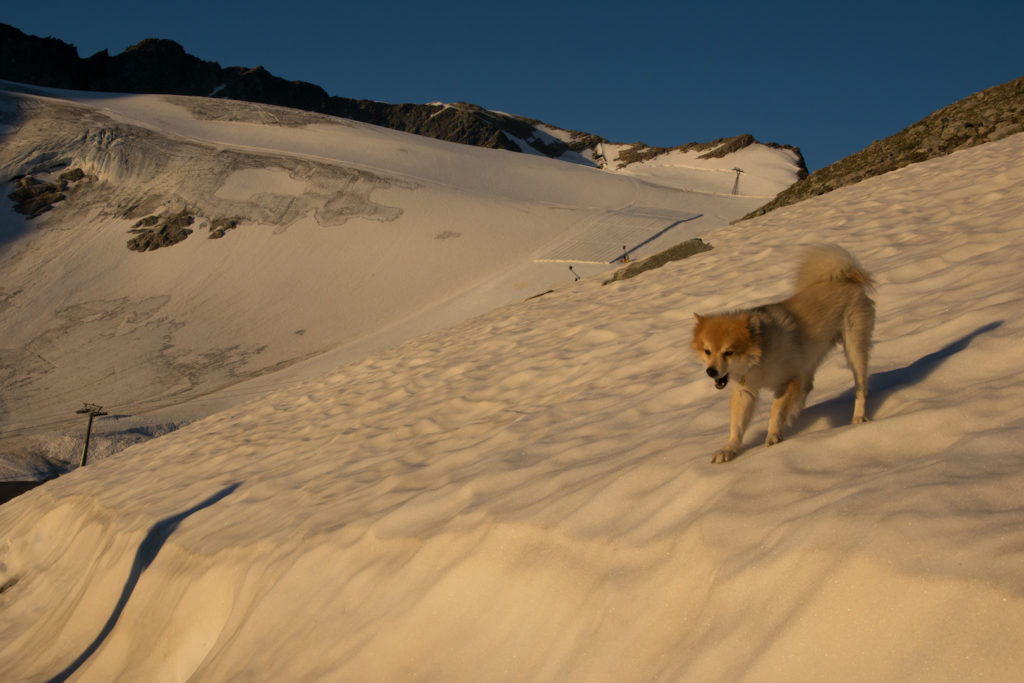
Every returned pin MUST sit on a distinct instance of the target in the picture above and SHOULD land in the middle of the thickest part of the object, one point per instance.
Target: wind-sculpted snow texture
(527, 496)
(140, 172)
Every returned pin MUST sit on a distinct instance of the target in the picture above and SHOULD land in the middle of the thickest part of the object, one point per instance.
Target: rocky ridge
(158, 66)
(985, 116)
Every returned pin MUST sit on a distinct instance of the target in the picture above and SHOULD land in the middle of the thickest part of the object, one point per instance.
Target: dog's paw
(724, 455)
(772, 439)
(859, 419)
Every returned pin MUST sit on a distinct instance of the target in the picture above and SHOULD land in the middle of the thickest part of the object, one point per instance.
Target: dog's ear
(741, 331)
(743, 323)
(697, 344)
(753, 327)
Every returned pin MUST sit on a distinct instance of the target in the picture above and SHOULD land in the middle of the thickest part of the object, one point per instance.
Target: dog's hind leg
(741, 408)
(785, 408)
(858, 326)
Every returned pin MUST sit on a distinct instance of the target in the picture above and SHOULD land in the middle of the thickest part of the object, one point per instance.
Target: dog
(779, 346)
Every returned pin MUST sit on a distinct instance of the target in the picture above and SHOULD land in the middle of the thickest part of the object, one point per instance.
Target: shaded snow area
(334, 239)
(526, 494)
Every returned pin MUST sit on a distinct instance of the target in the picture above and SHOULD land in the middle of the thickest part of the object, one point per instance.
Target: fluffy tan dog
(779, 346)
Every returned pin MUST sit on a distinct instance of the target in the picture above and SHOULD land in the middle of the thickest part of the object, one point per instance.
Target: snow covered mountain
(158, 66)
(333, 238)
(526, 494)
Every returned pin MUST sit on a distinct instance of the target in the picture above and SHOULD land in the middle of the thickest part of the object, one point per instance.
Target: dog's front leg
(741, 408)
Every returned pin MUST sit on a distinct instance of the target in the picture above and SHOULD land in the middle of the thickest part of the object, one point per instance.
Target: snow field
(352, 238)
(526, 495)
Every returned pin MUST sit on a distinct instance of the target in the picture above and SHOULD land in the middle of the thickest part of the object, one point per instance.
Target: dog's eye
(707, 352)
(727, 353)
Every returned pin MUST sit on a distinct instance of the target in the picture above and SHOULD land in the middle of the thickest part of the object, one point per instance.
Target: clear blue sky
(826, 77)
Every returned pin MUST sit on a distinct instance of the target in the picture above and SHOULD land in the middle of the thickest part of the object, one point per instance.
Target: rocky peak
(164, 67)
(154, 65)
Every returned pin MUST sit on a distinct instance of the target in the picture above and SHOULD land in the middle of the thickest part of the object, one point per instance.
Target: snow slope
(527, 495)
(350, 238)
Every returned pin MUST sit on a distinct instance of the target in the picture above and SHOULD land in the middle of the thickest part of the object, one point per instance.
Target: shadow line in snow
(144, 557)
(629, 253)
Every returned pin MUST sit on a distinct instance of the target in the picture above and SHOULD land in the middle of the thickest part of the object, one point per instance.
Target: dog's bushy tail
(831, 263)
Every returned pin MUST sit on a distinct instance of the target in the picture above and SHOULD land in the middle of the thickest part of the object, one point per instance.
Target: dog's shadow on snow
(883, 385)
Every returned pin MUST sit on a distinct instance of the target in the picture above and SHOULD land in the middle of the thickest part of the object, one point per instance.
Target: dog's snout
(712, 372)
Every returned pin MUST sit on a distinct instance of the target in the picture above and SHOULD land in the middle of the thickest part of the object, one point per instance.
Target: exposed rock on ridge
(33, 197)
(716, 149)
(985, 116)
(164, 67)
(153, 232)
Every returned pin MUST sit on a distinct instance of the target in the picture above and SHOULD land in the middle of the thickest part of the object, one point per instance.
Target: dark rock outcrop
(33, 197)
(678, 252)
(153, 65)
(220, 226)
(42, 61)
(154, 232)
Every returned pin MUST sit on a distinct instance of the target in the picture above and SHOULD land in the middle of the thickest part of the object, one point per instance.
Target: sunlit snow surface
(527, 495)
(350, 238)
